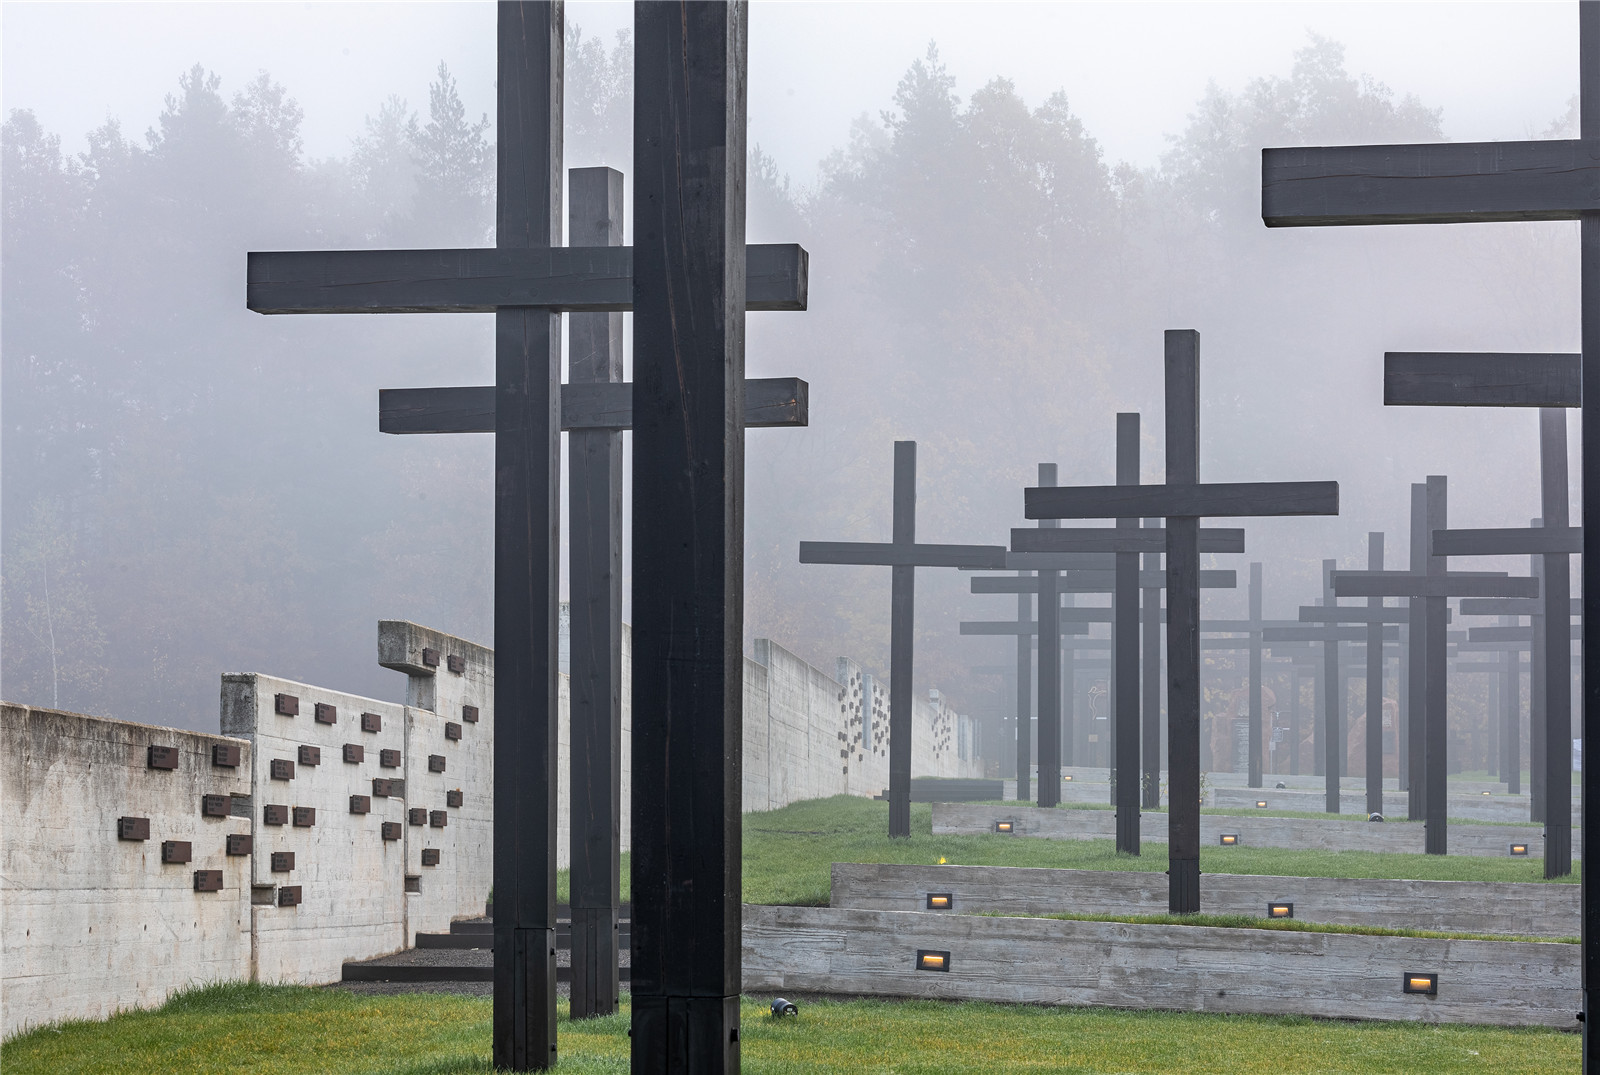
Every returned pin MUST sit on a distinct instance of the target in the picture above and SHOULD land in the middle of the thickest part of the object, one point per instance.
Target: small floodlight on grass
(927, 960)
(1519, 850)
(1230, 839)
(781, 1008)
(941, 901)
(1280, 910)
(1261, 804)
(1005, 828)
(1426, 985)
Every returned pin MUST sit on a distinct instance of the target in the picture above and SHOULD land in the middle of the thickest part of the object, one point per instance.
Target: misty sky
(1131, 71)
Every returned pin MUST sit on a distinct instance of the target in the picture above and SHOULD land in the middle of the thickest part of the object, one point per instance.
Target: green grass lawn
(286, 1030)
(788, 853)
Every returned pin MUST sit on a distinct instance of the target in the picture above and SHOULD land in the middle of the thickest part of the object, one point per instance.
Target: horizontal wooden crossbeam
(1479, 379)
(1509, 541)
(1326, 633)
(576, 279)
(1110, 539)
(890, 554)
(1434, 183)
(1096, 582)
(1405, 584)
(1013, 628)
(1500, 634)
(1204, 500)
(1356, 614)
(768, 401)
(1511, 606)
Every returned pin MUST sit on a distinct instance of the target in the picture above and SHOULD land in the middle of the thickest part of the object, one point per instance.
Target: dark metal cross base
(1183, 886)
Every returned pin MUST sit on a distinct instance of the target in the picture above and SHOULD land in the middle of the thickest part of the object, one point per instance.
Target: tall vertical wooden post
(1125, 653)
(1511, 716)
(1150, 687)
(1254, 767)
(527, 459)
(1538, 681)
(1417, 662)
(688, 532)
(1556, 595)
(1024, 701)
(1183, 625)
(1436, 726)
(594, 524)
(1374, 765)
(1589, 306)
(1049, 670)
(902, 627)
(1332, 705)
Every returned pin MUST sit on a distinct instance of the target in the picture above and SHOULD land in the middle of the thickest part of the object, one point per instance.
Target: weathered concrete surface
(351, 880)
(1253, 830)
(1531, 909)
(1179, 968)
(437, 697)
(1497, 808)
(90, 924)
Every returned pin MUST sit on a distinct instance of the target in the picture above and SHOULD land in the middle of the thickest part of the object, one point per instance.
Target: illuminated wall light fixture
(1005, 827)
(1280, 910)
(1519, 850)
(927, 960)
(1261, 804)
(1230, 839)
(1426, 985)
(941, 901)
(1069, 777)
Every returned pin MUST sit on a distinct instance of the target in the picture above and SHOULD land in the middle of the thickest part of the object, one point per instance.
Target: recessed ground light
(1424, 984)
(1280, 910)
(940, 901)
(1229, 839)
(1067, 777)
(1006, 827)
(1519, 850)
(1486, 793)
(927, 960)
(1261, 804)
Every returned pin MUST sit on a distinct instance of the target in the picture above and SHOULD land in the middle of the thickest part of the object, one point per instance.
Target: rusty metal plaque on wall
(453, 797)
(215, 805)
(353, 753)
(289, 896)
(162, 757)
(430, 856)
(305, 817)
(282, 769)
(469, 713)
(133, 828)
(456, 664)
(208, 880)
(225, 755)
(240, 843)
(361, 804)
(435, 763)
(282, 861)
(371, 722)
(273, 814)
(323, 713)
(176, 851)
(286, 705)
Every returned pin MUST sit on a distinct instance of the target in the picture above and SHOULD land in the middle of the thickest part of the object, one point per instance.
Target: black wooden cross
(1476, 182)
(1182, 501)
(1373, 617)
(1554, 543)
(1510, 657)
(903, 555)
(595, 408)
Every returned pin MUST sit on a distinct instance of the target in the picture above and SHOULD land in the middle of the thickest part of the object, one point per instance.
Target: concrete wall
(1179, 968)
(93, 923)
(1531, 910)
(1253, 830)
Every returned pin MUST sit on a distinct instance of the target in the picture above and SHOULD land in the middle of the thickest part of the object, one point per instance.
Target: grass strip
(291, 1030)
(1287, 925)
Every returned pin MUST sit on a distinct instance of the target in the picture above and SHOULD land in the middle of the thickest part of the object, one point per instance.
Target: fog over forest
(189, 488)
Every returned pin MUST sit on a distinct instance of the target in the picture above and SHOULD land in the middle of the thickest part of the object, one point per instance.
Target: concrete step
(485, 939)
(370, 972)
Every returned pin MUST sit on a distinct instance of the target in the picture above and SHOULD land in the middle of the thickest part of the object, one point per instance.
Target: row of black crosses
(689, 280)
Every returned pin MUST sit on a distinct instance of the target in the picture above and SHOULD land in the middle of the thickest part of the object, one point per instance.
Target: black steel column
(1374, 744)
(1332, 705)
(1294, 721)
(1254, 768)
(1402, 753)
(527, 460)
(1589, 244)
(1511, 716)
(688, 533)
(902, 624)
(1557, 595)
(1183, 626)
(1125, 653)
(1150, 686)
(1417, 662)
(594, 529)
(1538, 678)
(1049, 670)
(1024, 700)
(1435, 762)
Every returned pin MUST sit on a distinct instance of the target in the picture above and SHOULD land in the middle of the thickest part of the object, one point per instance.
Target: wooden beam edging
(1253, 830)
(1531, 909)
(1153, 967)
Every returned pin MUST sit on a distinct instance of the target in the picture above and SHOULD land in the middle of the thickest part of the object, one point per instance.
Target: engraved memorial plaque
(456, 664)
(453, 798)
(361, 804)
(389, 759)
(435, 763)
(438, 819)
(371, 722)
(240, 843)
(225, 755)
(282, 769)
(162, 757)
(391, 830)
(208, 880)
(323, 713)
(452, 730)
(133, 828)
(310, 755)
(305, 817)
(282, 861)
(215, 805)
(274, 815)
(289, 896)
(176, 851)
(417, 815)
(286, 705)
(430, 658)
(353, 753)
(430, 856)
(469, 713)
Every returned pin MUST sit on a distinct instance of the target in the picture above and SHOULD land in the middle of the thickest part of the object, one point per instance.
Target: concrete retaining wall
(1179, 968)
(1253, 830)
(94, 923)
(1532, 909)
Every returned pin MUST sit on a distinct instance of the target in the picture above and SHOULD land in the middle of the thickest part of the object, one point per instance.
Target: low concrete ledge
(1253, 830)
(1492, 807)
(1176, 968)
(1531, 909)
